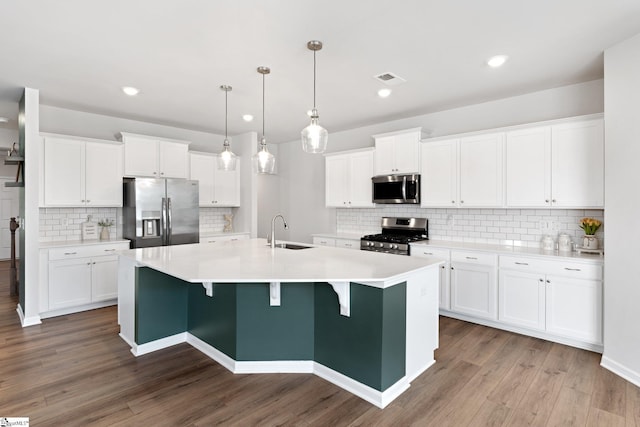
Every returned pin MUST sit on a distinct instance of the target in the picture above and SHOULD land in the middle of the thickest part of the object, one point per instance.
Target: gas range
(396, 235)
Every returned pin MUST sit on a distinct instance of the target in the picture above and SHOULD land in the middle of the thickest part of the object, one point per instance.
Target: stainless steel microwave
(390, 189)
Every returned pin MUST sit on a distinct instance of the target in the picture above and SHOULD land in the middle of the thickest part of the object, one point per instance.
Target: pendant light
(263, 161)
(314, 136)
(226, 160)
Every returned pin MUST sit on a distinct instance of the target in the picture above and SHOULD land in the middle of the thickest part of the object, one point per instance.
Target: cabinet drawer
(425, 252)
(523, 264)
(324, 241)
(346, 243)
(575, 270)
(73, 252)
(474, 258)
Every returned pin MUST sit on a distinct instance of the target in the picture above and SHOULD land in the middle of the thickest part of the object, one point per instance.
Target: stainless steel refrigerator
(160, 212)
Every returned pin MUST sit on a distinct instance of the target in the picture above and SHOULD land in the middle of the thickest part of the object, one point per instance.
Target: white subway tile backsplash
(520, 227)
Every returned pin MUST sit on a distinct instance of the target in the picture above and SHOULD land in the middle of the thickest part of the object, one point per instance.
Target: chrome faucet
(272, 235)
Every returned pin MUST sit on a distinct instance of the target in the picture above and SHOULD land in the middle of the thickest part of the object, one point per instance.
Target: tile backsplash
(63, 224)
(520, 227)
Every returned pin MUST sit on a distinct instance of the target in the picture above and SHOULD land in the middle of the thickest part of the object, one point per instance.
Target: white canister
(547, 243)
(565, 244)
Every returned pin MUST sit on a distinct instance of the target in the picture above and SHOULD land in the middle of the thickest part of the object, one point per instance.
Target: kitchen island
(365, 321)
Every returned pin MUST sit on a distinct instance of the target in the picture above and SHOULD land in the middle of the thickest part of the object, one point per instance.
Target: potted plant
(104, 232)
(590, 226)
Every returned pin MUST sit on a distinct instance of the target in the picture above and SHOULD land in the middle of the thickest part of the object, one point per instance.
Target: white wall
(622, 205)
(78, 123)
(302, 175)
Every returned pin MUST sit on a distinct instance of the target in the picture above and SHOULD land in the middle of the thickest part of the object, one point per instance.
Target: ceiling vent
(390, 79)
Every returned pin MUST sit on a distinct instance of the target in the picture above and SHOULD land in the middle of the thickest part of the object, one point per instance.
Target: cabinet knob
(452, 268)
(349, 202)
(88, 201)
(546, 200)
(540, 280)
(155, 173)
(161, 173)
(442, 267)
(453, 201)
(553, 200)
(461, 201)
(548, 281)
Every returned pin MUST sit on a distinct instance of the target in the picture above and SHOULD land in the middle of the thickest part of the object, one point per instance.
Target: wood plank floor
(75, 371)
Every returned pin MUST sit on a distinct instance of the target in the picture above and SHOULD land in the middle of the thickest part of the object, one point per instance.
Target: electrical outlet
(64, 222)
(450, 220)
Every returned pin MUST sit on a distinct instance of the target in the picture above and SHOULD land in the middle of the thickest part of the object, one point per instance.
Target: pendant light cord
(314, 79)
(226, 93)
(263, 137)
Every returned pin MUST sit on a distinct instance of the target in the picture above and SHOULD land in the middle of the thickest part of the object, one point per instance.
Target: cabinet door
(69, 283)
(360, 173)
(140, 157)
(104, 278)
(574, 308)
(522, 299)
(481, 170)
(348, 244)
(226, 186)
(173, 159)
(528, 167)
(577, 164)
(202, 167)
(336, 181)
(385, 155)
(439, 179)
(407, 153)
(103, 174)
(474, 290)
(324, 241)
(64, 172)
(445, 294)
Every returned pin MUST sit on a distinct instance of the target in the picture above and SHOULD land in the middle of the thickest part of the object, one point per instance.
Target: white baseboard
(27, 321)
(212, 352)
(621, 370)
(140, 349)
(78, 309)
(274, 367)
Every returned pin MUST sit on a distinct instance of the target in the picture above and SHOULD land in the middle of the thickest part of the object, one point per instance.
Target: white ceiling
(79, 53)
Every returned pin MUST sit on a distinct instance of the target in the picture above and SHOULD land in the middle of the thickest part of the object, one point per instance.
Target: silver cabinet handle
(109, 250)
(572, 269)
(522, 263)
(470, 257)
(427, 253)
(71, 253)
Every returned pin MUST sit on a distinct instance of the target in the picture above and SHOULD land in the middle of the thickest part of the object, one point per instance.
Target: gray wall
(302, 175)
(622, 204)
(7, 138)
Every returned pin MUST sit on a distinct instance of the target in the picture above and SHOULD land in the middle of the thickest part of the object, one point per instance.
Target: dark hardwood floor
(75, 371)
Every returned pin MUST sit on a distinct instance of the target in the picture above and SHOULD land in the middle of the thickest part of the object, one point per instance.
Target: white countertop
(509, 250)
(251, 260)
(61, 244)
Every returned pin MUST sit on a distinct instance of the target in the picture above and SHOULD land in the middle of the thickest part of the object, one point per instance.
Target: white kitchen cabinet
(577, 164)
(556, 166)
(562, 298)
(337, 242)
(81, 173)
(348, 243)
(528, 167)
(481, 170)
(324, 241)
(398, 152)
(474, 288)
(426, 252)
(79, 277)
(218, 188)
(465, 172)
(439, 182)
(155, 157)
(348, 179)
(224, 238)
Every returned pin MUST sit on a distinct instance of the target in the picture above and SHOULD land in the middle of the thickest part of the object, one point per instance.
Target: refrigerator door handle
(169, 230)
(163, 220)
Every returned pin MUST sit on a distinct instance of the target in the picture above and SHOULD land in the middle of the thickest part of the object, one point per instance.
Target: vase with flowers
(590, 226)
(104, 232)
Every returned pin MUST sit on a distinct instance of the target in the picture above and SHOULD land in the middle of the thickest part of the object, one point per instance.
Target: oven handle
(404, 188)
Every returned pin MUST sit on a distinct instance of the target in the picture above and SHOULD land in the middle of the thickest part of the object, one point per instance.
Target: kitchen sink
(292, 246)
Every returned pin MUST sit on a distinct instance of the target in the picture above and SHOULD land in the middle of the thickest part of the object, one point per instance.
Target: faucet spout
(272, 235)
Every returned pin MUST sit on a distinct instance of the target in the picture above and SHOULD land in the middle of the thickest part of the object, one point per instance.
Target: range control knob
(381, 245)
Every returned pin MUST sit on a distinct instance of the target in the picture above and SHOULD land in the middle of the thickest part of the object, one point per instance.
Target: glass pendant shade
(227, 159)
(314, 136)
(263, 161)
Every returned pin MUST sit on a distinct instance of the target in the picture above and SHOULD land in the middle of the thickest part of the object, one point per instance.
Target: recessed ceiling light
(4, 120)
(131, 91)
(497, 61)
(247, 117)
(383, 93)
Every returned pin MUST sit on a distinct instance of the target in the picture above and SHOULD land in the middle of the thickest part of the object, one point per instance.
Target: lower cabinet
(223, 238)
(474, 289)
(444, 300)
(337, 242)
(522, 299)
(79, 277)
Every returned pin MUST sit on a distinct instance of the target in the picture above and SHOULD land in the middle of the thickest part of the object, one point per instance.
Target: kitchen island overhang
(367, 322)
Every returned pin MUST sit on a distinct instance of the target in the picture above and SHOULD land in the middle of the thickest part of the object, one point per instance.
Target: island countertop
(252, 260)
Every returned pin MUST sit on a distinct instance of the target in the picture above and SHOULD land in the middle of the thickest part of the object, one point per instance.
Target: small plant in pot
(590, 226)
(104, 232)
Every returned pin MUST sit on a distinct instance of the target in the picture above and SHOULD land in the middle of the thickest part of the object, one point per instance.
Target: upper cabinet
(465, 172)
(218, 188)
(348, 179)
(155, 157)
(81, 172)
(556, 166)
(398, 152)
